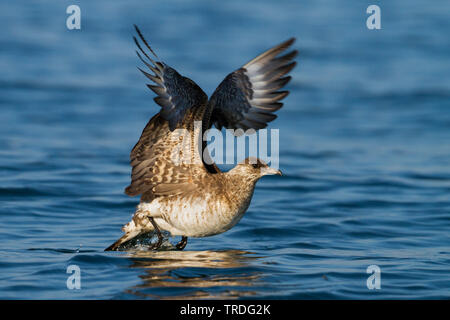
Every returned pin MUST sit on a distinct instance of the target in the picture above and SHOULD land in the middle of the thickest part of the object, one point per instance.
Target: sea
(362, 210)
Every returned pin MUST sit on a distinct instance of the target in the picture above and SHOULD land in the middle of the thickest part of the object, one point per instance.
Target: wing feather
(154, 171)
(247, 97)
(176, 94)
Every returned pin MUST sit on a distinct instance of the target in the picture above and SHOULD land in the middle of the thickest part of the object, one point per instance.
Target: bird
(195, 198)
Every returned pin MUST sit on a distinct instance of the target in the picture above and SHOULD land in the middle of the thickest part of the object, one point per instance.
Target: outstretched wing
(156, 158)
(247, 97)
(176, 94)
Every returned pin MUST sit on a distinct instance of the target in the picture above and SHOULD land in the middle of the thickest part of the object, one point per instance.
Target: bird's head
(254, 168)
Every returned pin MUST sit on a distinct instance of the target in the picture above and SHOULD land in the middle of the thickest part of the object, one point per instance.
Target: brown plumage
(180, 192)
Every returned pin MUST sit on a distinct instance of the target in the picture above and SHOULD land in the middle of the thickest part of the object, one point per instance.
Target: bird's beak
(271, 171)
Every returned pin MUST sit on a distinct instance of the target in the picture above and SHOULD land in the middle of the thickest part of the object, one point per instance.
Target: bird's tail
(126, 237)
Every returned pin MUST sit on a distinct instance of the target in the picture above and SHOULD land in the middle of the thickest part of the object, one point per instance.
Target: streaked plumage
(192, 198)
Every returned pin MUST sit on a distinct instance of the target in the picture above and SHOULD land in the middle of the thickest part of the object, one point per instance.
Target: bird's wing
(161, 159)
(176, 94)
(247, 97)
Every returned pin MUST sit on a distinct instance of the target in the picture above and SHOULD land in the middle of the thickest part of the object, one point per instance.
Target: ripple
(364, 146)
(22, 192)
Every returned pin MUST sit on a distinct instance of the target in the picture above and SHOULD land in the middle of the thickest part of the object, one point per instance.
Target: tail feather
(126, 237)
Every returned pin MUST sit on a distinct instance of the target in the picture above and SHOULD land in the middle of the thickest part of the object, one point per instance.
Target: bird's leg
(180, 245)
(158, 233)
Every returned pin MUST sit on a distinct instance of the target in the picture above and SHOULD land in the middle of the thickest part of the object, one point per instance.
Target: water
(364, 146)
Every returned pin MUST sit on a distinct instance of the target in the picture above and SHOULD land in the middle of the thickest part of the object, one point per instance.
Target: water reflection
(189, 272)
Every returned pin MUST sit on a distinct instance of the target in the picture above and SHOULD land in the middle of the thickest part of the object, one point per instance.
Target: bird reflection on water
(194, 270)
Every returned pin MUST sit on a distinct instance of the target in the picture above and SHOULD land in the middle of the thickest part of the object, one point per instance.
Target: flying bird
(195, 198)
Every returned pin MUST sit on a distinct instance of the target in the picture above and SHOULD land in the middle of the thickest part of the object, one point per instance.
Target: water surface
(364, 146)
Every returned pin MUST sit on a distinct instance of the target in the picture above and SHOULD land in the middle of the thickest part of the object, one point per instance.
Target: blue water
(364, 146)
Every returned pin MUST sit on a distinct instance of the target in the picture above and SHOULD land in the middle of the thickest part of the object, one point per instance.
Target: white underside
(200, 217)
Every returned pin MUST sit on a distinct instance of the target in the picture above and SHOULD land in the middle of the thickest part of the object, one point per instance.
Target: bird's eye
(255, 166)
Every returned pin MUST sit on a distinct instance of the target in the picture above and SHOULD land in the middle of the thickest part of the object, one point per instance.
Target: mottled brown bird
(180, 192)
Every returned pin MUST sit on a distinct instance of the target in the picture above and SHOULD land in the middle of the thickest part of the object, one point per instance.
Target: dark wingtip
(288, 42)
(110, 248)
(292, 65)
(283, 94)
(144, 41)
(129, 191)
